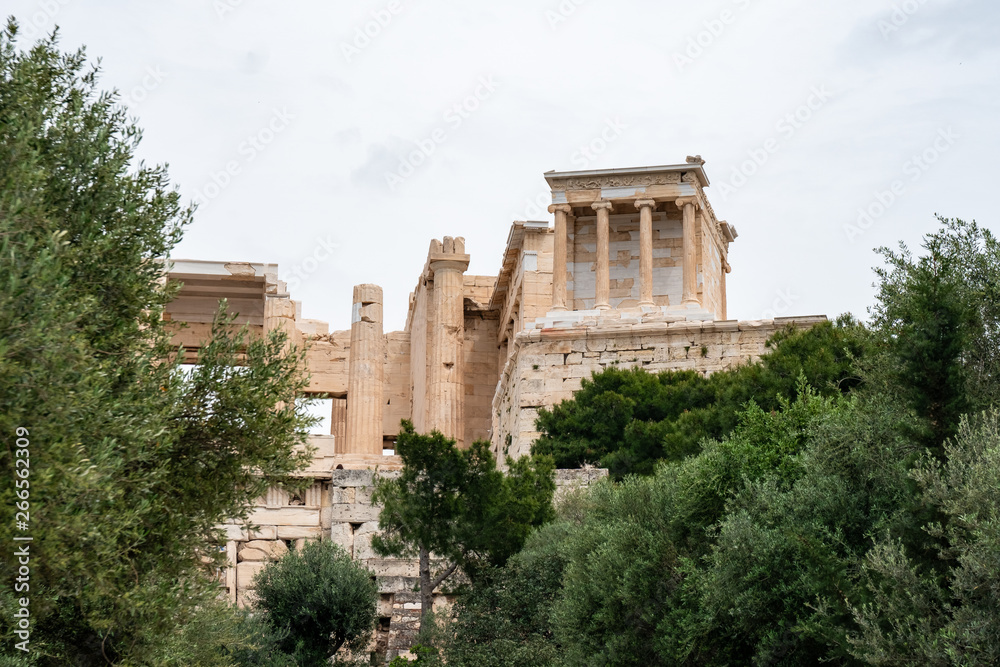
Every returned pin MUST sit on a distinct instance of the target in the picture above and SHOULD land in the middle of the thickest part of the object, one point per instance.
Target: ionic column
(689, 206)
(726, 269)
(559, 272)
(645, 207)
(446, 378)
(363, 432)
(602, 293)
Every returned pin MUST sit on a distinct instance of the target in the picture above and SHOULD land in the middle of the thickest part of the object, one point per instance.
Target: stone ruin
(632, 273)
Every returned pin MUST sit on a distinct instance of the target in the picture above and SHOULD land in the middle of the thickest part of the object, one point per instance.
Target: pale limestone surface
(632, 273)
(365, 382)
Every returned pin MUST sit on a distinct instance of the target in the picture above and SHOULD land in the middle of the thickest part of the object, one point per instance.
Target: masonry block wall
(338, 507)
(548, 365)
(631, 272)
(624, 260)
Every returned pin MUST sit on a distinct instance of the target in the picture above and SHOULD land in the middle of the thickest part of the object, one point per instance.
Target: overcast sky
(337, 138)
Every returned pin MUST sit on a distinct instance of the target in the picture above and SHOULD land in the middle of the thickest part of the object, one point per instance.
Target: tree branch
(444, 575)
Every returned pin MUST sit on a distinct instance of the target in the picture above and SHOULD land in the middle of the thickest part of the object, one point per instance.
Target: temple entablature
(642, 239)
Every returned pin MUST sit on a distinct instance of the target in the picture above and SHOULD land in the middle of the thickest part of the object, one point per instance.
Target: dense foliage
(132, 463)
(833, 528)
(456, 504)
(626, 419)
(316, 600)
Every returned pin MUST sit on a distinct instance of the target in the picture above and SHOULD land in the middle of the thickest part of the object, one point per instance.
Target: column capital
(644, 203)
(443, 262)
(681, 202)
(561, 208)
(602, 205)
(448, 253)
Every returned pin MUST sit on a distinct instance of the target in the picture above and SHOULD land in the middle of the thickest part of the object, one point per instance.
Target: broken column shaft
(364, 381)
(446, 378)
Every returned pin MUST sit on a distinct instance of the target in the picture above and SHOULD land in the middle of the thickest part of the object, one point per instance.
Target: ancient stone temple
(631, 271)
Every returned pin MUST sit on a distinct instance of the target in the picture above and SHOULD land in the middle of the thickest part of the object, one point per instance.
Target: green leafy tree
(937, 322)
(775, 586)
(918, 614)
(132, 463)
(317, 600)
(627, 420)
(506, 620)
(622, 600)
(817, 530)
(456, 505)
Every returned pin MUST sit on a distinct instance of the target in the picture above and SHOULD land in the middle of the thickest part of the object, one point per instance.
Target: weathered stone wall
(709, 267)
(418, 324)
(624, 260)
(480, 372)
(279, 521)
(338, 507)
(547, 366)
(397, 382)
(328, 360)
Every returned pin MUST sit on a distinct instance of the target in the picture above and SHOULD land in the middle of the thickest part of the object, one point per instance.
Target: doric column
(446, 379)
(602, 293)
(645, 207)
(560, 245)
(364, 374)
(338, 425)
(689, 206)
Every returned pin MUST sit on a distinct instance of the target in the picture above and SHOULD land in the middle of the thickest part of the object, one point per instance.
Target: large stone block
(245, 573)
(352, 477)
(264, 533)
(273, 549)
(342, 534)
(233, 532)
(341, 495)
(354, 513)
(363, 542)
(254, 555)
(393, 568)
(286, 516)
(298, 532)
(396, 585)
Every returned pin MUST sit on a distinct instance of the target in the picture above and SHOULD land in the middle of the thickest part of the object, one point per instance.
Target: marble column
(338, 425)
(559, 252)
(446, 376)
(645, 207)
(689, 207)
(602, 292)
(363, 431)
(726, 269)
